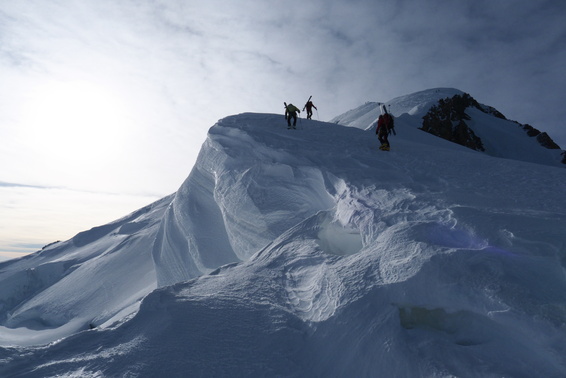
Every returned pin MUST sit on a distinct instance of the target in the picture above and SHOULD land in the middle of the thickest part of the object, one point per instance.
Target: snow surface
(70, 286)
(310, 252)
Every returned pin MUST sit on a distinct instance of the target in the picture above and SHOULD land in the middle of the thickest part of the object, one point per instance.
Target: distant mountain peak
(456, 116)
(448, 118)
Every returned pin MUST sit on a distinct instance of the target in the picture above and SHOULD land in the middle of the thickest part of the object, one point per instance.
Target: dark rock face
(546, 141)
(543, 138)
(531, 131)
(492, 111)
(447, 120)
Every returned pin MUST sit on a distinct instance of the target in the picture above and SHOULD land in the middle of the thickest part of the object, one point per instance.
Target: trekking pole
(317, 117)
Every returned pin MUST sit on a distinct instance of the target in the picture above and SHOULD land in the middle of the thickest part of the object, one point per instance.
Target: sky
(104, 104)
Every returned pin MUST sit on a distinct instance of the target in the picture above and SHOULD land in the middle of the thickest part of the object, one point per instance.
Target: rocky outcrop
(546, 141)
(491, 110)
(447, 120)
(543, 138)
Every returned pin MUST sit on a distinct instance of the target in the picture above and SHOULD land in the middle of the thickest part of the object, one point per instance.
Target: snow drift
(310, 252)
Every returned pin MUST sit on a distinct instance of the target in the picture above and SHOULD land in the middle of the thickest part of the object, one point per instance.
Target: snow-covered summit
(498, 136)
(416, 104)
(309, 252)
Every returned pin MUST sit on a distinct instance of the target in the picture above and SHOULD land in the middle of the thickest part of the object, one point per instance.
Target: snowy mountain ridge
(310, 252)
(502, 137)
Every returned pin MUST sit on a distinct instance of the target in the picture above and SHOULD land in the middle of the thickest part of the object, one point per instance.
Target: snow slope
(310, 252)
(83, 282)
(501, 138)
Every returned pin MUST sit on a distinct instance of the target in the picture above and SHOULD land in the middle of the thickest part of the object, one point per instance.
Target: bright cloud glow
(45, 215)
(79, 122)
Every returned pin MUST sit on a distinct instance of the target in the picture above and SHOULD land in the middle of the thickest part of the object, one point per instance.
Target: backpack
(292, 109)
(389, 122)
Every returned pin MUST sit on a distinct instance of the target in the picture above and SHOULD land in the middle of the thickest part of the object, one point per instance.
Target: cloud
(199, 61)
(14, 185)
(113, 96)
(35, 216)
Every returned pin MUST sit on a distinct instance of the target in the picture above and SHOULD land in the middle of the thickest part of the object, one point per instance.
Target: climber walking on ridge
(291, 111)
(309, 105)
(384, 127)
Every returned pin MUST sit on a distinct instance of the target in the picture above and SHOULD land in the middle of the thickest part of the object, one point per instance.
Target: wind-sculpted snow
(84, 282)
(310, 252)
(250, 184)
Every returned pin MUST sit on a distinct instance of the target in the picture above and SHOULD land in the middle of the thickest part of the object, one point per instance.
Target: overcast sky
(104, 104)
